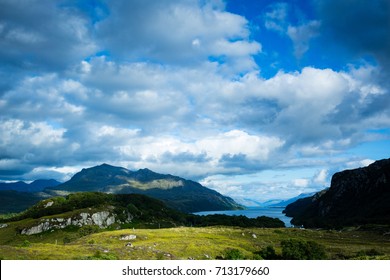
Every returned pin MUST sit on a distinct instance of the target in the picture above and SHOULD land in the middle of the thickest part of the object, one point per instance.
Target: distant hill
(178, 193)
(13, 201)
(35, 186)
(355, 197)
(284, 203)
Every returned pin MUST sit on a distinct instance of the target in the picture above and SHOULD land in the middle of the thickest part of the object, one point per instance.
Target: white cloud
(177, 32)
(43, 35)
(322, 177)
(275, 19)
(237, 142)
(301, 36)
(178, 91)
(358, 163)
(30, 133)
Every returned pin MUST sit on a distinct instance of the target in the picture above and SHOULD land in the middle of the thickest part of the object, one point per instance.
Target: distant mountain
(178, 193)
(247, 202)
(355, 197)
(35, 186)
(284, 203)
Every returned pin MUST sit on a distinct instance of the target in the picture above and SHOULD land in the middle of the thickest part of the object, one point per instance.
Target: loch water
(253, 212)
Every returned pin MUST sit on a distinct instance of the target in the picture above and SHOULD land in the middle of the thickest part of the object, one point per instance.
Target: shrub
(66, 240)
(268, 253)
(103, 256)
(88, 229)
(26, 243)
(369, 253)
(233, 254)
(302, 250)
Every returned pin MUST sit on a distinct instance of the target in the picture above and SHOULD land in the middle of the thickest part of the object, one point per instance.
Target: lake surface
(253, 212)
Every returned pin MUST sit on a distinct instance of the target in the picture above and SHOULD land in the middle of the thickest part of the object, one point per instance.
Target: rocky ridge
(355, 197)
(102, 219)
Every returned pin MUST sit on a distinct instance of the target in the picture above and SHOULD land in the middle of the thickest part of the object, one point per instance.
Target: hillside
(96, 211)
(189, 243)
(14, 201)
(355, 197)
(132, 226)
(178, 193)
(18, 196)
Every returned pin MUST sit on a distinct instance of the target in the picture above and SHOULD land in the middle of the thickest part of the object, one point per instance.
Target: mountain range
(178, 193)
(355, 197)
(18, 196)
(35, 186)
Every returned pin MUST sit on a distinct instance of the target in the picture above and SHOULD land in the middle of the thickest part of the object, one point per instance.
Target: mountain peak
(105, 166)
(178, 193)
(145, 170)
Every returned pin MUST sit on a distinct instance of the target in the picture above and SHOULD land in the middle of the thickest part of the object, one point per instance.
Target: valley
(107, 212)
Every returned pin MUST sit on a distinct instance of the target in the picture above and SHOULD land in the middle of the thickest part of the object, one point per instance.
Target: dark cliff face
(355, 197)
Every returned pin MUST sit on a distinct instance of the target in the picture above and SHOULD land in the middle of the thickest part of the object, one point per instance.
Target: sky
(256, 99)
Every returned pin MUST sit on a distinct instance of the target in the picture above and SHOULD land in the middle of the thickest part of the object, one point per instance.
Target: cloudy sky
(257, 99)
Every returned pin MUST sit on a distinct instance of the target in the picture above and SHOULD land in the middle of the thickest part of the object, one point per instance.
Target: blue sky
(256, 99)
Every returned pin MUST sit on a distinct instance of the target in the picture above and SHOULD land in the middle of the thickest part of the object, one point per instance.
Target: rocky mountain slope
(355, 197)
(178, 193)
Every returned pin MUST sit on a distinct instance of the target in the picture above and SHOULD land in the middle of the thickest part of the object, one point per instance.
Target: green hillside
(93, 225)
(196, 243)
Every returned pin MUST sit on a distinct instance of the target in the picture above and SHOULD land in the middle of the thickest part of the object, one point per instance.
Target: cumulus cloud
(175, 86)
(177, 32)
(24, 144)
(158, 123)
(42, 34)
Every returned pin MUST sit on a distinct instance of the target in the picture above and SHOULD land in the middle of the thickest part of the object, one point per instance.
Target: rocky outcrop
(355, 197)
(128, 237)
(102, 219)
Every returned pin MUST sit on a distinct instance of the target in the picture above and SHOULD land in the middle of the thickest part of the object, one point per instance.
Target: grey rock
(102, 219)
(128, 237)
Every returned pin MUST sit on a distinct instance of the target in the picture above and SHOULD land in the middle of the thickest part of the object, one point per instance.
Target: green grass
(185, 243)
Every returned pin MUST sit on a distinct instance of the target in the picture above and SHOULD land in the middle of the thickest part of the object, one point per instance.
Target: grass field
(185, 243)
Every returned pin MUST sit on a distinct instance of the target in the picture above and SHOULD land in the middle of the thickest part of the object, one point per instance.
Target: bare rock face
(103, 219)
(355, 197)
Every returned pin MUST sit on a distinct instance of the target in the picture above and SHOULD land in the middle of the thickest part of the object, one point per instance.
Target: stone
(48, 204)
(128, 237)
